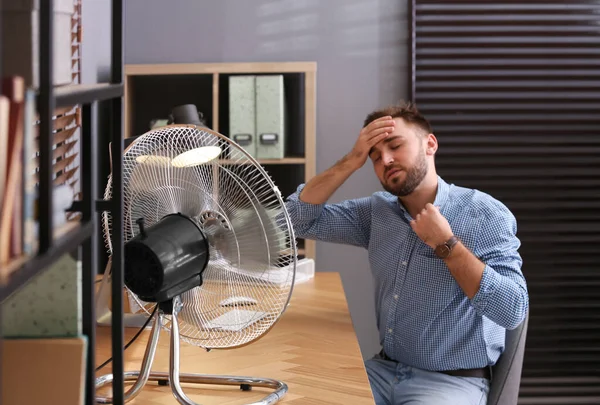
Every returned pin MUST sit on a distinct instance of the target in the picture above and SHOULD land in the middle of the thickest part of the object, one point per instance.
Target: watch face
(442, 251)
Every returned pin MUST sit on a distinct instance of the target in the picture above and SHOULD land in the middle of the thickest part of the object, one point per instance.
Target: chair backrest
(506, 373)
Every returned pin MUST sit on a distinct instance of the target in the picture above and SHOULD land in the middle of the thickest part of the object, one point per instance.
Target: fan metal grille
(235, 203)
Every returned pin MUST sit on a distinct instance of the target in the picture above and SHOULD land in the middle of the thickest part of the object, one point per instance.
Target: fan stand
(175, 378)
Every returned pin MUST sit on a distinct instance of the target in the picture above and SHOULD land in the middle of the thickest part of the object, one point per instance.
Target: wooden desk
(313, 349)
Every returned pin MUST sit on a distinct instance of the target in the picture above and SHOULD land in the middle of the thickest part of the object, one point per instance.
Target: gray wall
(95, 46)
(95, 68)
(361, 52)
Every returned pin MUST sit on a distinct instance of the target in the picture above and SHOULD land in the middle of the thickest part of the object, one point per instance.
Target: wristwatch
(442, 251)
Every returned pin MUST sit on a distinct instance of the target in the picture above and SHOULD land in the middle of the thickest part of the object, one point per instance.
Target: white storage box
(20, 36)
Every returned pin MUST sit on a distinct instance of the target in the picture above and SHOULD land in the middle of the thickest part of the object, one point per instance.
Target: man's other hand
(431, 226)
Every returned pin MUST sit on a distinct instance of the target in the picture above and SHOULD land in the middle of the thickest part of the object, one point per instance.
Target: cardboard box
(43, 371)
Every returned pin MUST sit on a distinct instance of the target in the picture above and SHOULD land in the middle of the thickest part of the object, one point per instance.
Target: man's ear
(432, 145)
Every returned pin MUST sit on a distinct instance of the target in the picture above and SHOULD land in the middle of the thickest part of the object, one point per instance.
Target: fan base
(174, 378)
(245, 384)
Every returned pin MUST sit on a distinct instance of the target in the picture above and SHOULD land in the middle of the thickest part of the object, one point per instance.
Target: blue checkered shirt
(424, 318)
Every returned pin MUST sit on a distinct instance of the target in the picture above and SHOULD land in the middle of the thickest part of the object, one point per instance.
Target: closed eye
(392, 143)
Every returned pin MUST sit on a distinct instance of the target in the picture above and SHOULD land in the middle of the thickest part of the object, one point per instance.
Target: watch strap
(452, 241)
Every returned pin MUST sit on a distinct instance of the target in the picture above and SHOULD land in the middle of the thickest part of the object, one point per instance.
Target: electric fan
(209, 249)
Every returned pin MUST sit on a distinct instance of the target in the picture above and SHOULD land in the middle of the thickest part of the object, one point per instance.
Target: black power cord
(133, 338)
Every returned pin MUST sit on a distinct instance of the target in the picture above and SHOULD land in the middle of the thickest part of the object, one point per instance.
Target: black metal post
(412, 46)
(89, 143)
(117, 204)
(46, 104)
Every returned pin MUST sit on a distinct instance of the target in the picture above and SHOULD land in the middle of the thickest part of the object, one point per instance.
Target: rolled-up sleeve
(502, 296)
(347, 222)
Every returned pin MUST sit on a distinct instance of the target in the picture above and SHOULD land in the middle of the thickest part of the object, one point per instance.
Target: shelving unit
(86, 93)
(23, 268)
(152, 90)
(56, 241)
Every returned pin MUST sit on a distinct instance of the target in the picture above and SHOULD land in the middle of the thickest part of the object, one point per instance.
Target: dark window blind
(512, 89)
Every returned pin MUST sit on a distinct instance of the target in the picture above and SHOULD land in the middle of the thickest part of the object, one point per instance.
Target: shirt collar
(442, 193)
(441, 197)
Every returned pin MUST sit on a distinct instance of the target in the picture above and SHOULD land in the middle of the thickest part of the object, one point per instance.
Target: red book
(11, 226)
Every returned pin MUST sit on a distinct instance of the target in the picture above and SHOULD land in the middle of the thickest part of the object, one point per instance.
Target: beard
(413, 177)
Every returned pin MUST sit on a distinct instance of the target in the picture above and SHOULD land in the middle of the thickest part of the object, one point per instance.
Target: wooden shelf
(205, 85)
(212, 68)
(284, 161)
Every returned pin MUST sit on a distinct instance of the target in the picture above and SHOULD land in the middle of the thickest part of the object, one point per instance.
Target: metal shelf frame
(37, 264)
(51, 249)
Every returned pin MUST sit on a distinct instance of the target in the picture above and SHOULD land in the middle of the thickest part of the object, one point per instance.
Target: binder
(270, 117)
(242, 111)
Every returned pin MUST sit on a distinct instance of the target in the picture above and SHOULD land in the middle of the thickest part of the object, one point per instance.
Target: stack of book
(19, 169)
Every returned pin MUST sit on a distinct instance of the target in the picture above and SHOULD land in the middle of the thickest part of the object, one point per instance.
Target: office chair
(506, 373)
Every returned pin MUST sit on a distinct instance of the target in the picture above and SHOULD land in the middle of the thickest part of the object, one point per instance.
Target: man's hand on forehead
(375, 132)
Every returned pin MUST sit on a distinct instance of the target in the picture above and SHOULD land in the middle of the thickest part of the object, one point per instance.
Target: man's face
(400, 161)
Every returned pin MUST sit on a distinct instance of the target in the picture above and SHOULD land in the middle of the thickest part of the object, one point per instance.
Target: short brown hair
(407, 111)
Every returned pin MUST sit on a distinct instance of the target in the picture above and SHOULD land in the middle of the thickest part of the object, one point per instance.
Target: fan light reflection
(197, 156)
(153, 159)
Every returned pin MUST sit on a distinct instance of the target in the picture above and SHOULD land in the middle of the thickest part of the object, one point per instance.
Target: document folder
(270, 117)
(242, 112)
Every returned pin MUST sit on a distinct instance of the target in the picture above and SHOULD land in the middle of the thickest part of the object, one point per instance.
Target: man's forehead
(390, 138)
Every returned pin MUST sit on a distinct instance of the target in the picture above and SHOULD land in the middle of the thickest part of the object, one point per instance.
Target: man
(445, 262)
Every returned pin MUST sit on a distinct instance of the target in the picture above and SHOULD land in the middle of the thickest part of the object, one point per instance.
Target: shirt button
(390, 330)
(395, 296)
(404, 263)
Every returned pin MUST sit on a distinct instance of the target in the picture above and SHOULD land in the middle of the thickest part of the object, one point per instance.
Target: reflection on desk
(313, 349)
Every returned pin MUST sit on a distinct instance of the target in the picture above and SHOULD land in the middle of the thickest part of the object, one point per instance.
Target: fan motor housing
(166, 259)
